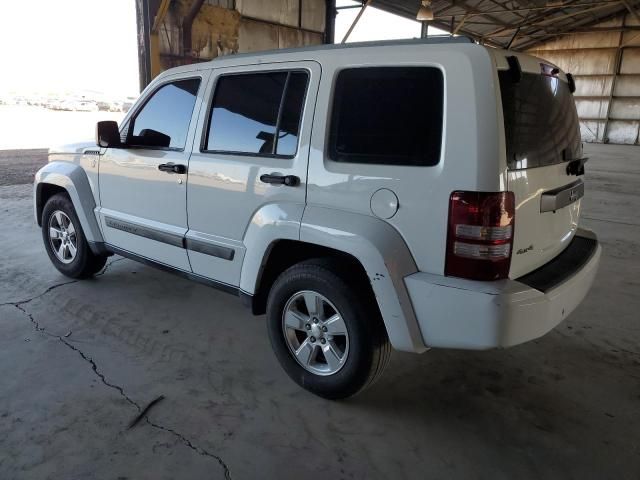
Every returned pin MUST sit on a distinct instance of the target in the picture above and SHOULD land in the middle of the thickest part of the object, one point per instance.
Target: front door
(254, 147)
(143, 184)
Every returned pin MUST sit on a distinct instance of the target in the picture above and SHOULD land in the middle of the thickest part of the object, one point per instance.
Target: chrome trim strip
(146, 232)
(558, 198)
(207, 248)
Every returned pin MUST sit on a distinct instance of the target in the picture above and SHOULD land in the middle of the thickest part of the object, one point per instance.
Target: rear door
(542, 139)
(254, 135)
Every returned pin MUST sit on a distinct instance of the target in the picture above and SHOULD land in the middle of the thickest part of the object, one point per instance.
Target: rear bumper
(458, 313)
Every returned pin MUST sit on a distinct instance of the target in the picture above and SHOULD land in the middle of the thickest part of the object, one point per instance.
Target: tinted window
(257, 113)
(291, 114)
(387, 115)
(540, 121)
(164, 119)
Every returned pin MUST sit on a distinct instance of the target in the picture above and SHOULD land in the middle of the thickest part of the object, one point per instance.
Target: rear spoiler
(516, 72)
(572, 83)
(514, 68)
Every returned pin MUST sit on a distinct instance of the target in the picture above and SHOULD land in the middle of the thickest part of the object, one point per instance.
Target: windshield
(540, 121)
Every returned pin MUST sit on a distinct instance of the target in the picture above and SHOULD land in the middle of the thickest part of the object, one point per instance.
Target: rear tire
(304, 309)
(65, 242)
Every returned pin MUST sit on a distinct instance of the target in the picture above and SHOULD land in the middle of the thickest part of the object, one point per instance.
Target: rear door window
(387, 115)
(257, 113)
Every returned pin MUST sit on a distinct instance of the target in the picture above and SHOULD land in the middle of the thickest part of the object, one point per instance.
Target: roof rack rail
(435, 39)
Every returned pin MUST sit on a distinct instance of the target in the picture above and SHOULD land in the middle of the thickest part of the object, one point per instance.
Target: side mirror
(107, 134)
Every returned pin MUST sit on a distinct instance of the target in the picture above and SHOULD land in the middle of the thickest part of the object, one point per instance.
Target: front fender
(74, 180)
(385, 257)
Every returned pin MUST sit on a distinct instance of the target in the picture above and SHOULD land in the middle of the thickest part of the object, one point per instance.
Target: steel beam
(144, 42)
(187, 24)
(424, 29)
(544, 19)
(330, 21)
(616, 72)
(553, 21)
(356, 20)
(531, 9)
(632, 11)
(162, 12)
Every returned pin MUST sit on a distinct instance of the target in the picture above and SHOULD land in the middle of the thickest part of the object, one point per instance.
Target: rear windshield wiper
(576, 166)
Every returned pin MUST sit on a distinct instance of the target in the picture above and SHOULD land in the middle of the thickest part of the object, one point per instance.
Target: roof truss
(518, 24)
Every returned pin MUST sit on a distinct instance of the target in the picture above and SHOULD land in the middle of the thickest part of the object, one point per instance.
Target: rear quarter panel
(470, 153)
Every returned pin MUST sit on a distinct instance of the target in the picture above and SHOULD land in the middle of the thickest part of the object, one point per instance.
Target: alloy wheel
(62, 237)
(315, 333)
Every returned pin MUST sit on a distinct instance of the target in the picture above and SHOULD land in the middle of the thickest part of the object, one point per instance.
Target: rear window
(540, 121)
(387, 115)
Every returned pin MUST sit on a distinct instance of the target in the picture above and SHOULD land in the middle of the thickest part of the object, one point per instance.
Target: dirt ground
(79, 360)
(19, 166)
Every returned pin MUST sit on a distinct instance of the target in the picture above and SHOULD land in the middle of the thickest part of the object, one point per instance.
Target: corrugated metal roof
(495, 22)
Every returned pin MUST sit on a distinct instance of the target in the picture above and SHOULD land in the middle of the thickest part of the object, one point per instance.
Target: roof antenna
(515, 34)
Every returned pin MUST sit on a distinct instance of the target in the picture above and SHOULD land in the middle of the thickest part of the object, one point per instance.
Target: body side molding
(169, 238)
(144, 231)
(208, 248)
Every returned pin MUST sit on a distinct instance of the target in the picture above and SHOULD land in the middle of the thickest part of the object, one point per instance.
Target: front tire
(326, 330)
(65, 241)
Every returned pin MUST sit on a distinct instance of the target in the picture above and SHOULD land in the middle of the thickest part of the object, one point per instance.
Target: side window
(165, 117)
(257, 113)
(387, 115)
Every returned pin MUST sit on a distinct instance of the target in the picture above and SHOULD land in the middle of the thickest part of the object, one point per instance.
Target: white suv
(412, 194)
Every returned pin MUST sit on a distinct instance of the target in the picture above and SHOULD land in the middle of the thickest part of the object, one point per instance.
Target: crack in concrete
(23, 302)
(58, 285)
(99, 374)
(195, 448)
(94, 367)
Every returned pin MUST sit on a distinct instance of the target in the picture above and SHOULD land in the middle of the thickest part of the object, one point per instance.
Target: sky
(373, 25)
(73, 45)
(69, 45)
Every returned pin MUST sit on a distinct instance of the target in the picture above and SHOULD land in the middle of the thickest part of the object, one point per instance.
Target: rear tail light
(480, 235)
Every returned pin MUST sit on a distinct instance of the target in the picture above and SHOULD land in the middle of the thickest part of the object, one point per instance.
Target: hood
(76, 148)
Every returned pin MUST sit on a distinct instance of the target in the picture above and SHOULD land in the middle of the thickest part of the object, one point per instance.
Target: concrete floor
(78, 360)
